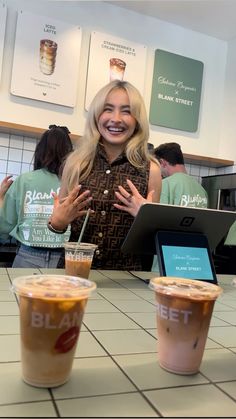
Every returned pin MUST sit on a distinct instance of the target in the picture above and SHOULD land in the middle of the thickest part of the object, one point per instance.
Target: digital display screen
(187, 262)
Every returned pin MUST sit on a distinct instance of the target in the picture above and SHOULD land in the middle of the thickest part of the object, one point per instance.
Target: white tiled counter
(115, 371)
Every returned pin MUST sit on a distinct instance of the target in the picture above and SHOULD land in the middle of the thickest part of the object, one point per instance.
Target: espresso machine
(221, 190)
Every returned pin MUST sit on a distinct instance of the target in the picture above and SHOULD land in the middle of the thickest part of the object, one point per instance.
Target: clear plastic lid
(185, 288)
(53, 286)
(81, 246)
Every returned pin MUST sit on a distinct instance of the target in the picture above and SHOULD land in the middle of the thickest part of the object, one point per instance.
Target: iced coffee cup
(51, 313)
(184, 309)
(48, 52)
(78, 258)
(117, 69)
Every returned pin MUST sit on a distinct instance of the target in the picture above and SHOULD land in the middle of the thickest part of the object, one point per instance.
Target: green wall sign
(176, 91)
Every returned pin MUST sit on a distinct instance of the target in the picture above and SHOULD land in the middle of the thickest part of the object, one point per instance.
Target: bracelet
(51, 228)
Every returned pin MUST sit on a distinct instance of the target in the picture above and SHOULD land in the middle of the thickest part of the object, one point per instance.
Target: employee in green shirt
(178, 187)
(29, 200)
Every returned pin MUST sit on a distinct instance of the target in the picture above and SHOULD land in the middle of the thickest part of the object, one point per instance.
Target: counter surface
(115, 371)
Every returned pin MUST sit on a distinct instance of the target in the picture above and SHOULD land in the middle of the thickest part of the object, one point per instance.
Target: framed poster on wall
(176, 91)
(3, 18)
(114, 58)
(46, 59)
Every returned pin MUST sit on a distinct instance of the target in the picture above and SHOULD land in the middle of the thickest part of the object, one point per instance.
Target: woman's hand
(4, 186)
(132, 200)
(68, 209)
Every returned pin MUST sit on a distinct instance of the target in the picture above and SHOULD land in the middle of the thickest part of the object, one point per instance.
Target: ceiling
(215, 18)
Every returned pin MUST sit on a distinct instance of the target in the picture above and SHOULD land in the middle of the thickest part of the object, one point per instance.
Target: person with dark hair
(178, 187)
(29, 202)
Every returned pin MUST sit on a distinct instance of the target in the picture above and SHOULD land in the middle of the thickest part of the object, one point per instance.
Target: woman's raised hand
(131, 201)
(4, 186)
(67, 209)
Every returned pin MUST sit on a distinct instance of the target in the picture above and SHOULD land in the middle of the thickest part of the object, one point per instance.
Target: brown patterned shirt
(108, 226)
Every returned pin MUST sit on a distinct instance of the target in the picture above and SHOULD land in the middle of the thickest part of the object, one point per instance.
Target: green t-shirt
(181, 189)
(27, 206)
(231, 236)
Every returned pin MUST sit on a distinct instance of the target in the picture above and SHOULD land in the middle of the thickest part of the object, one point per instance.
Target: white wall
(103, 17)
(227, 145)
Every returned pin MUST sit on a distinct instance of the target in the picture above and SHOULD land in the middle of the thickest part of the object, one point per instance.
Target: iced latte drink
(48, 53)
(78, 258)
(184, 309)
(117, 69)
(51, 313)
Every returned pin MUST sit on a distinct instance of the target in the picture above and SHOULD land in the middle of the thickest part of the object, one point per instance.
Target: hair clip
(65, 129)
(52, 126)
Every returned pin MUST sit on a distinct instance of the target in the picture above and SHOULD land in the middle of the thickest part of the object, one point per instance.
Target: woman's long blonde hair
(79, 164)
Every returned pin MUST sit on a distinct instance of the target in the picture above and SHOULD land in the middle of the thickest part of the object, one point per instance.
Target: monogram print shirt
(108, 226)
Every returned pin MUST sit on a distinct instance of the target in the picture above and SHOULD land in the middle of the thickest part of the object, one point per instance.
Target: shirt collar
(101, 152)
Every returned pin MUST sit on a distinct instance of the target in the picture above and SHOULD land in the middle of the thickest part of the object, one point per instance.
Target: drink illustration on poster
(46, 60)
(48, 52)
(117, 69)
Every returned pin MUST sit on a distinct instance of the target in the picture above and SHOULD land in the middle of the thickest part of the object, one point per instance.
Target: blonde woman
(112, 172)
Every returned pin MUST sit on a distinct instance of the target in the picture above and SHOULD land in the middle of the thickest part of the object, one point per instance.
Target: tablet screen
(187, 262)
(185, 255)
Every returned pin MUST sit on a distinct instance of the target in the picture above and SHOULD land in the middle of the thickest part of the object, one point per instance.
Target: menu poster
(176, 91)
(3, 18)
(114, 58)
(46, 59)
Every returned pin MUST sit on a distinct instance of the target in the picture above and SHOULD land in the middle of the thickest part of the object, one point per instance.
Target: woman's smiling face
(116, 124)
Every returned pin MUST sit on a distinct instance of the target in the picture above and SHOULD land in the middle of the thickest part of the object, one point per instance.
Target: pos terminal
(182, 237)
